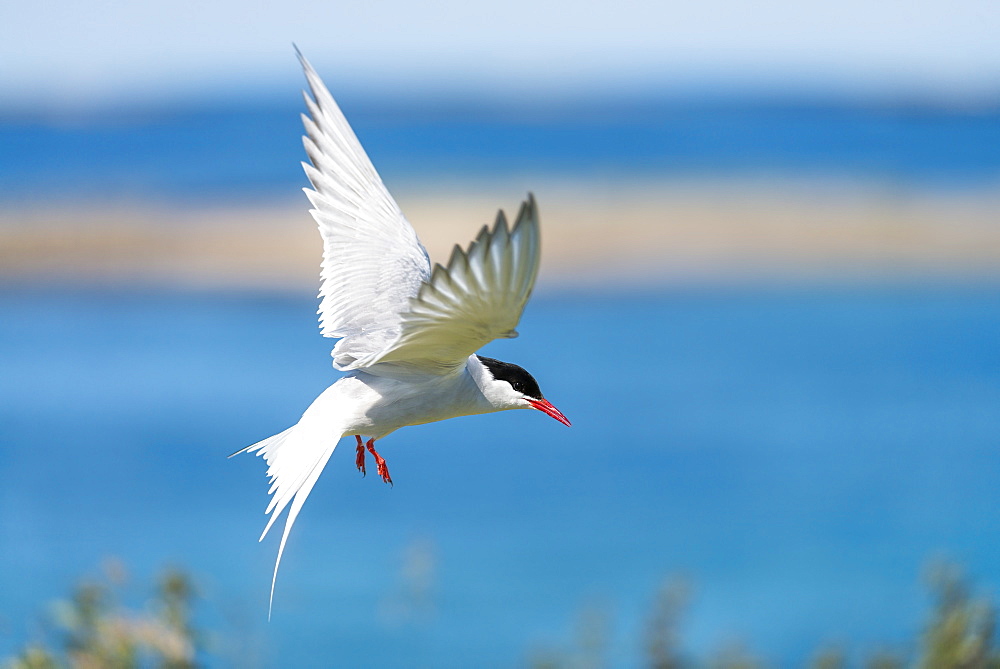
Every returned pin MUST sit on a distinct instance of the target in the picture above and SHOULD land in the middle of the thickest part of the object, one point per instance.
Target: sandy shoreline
(592, 234)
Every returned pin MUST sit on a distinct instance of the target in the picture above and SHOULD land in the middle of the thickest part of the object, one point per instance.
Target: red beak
(546, 407)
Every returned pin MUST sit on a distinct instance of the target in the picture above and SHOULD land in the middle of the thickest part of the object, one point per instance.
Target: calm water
(799, 455)
(211, 150)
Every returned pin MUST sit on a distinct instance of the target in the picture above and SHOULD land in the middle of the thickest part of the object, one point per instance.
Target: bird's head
(512, 387)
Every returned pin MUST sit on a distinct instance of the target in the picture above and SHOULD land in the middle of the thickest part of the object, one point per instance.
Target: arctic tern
(408, 333)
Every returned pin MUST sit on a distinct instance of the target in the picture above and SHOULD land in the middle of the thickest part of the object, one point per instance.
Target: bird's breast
(388, 404)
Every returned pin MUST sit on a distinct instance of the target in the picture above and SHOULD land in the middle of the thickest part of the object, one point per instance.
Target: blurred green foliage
(93, 629)
(962, 630)
(960, 634)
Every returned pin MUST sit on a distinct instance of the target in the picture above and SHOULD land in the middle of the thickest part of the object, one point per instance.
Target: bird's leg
(383, 471)
(359, 459)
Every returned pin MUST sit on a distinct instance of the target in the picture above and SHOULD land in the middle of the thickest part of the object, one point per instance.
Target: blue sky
(66, 52)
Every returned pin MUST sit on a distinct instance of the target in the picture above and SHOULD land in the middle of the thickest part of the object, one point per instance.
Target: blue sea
(798, 456)
(250, 147)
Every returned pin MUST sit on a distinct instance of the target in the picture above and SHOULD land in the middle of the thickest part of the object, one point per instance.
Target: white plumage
(408, 335)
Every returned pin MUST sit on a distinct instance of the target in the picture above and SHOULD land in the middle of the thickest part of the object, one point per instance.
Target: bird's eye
(519, 387)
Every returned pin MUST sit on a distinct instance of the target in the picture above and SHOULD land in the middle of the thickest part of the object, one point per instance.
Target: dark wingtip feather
(456, 253)
(528, 211)
(501, 220)
(242, 450)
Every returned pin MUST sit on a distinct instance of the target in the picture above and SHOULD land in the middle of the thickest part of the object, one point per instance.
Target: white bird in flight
(408, 334)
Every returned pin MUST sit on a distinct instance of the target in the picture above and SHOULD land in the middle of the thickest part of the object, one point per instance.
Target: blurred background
(769, 302)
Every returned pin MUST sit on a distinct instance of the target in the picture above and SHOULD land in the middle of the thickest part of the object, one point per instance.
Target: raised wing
(477, 298)
(373, 262)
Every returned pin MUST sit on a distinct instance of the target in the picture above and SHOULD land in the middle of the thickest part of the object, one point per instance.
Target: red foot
(383, 471)
(359, 459)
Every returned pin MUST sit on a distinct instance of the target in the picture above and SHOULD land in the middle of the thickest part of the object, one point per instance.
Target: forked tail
(295, 459)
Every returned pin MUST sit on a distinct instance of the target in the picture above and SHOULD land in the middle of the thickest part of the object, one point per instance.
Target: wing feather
(476, 298)
(373, 263)
(378, 293)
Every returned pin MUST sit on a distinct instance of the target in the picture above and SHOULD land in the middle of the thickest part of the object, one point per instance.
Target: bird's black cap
(517, 377)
